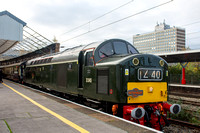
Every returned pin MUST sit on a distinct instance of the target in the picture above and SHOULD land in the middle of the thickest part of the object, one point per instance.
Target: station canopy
(16, 38)
(181, 56)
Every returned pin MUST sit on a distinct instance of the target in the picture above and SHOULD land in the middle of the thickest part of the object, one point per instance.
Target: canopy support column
(183, 64)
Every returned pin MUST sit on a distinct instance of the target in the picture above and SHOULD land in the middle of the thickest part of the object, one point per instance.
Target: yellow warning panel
(146, 92)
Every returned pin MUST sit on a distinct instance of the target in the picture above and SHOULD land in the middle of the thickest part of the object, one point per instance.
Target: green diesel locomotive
(112, 72)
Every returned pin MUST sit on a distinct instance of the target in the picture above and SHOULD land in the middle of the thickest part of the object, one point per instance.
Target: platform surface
(21, 115)
(185, 85)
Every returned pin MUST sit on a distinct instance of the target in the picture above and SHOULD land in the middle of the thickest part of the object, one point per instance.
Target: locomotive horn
(138, 113)
(174, 108)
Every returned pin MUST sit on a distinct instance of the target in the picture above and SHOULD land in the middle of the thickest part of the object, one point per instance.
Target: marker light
(161, 63)
(135, 61)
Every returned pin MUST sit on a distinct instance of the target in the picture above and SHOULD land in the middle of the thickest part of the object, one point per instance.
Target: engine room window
(120, 48)
(106, 50)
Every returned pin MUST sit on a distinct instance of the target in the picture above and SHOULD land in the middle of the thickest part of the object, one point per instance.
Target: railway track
(191, 106)
(193, 103)
(184, 124)
(192, 91)
(191, 95)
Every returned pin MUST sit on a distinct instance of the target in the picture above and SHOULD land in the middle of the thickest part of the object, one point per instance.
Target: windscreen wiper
(104, 53)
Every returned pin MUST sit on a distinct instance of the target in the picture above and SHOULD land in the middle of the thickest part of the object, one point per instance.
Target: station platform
(23, 110)
(185, 86)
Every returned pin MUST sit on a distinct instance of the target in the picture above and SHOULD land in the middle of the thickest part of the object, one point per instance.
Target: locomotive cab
(137, 82)
(118, 73)
(100, 69)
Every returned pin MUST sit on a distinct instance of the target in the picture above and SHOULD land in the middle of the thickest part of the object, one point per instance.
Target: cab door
(89, 74)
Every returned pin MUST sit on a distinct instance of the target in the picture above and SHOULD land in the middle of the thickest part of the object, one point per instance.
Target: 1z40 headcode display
(150, 74)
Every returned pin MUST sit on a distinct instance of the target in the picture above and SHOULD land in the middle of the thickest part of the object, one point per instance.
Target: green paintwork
(47, 76)
(63, 74)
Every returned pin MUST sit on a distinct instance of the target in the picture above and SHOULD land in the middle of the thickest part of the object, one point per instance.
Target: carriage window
(106, 50)
(89, 59)
(120, 48)
(132, 50)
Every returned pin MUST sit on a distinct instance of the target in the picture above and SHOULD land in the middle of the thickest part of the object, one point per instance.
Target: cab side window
(89, 61)
(132, 50)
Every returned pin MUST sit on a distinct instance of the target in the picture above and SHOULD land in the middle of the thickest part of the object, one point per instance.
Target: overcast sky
(56, 17)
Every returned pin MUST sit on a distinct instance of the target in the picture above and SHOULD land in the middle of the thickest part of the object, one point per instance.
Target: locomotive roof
(72, 54)
(68, 55)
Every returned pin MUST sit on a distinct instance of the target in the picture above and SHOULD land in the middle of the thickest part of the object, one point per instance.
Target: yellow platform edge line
(80, 129)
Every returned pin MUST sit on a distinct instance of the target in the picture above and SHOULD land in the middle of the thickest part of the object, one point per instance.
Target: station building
(163, 39)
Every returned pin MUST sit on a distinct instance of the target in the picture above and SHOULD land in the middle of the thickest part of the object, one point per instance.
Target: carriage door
(89, 71)
(89, 59)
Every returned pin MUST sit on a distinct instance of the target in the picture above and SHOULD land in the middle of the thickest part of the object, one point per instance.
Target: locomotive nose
(138, 113)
